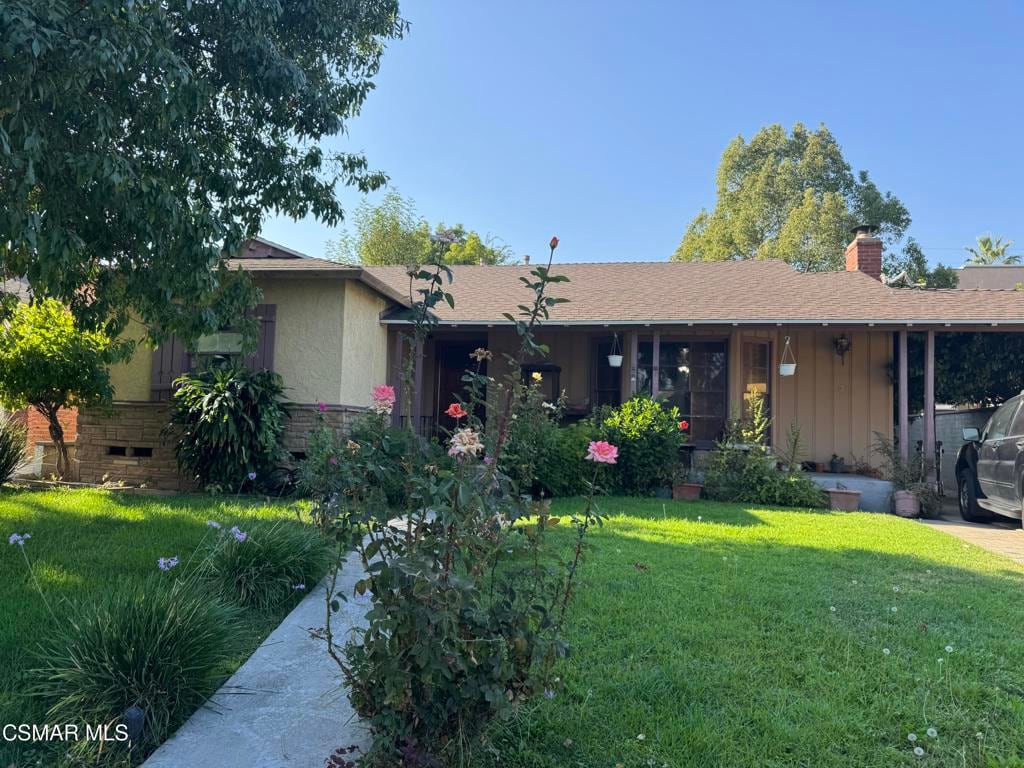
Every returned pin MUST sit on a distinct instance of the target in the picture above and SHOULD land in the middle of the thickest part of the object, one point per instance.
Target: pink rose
(384, 393)
(602, 452)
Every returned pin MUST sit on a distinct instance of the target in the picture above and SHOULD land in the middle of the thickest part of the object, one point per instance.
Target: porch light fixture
(842, 345)
(615, 355)
(787, 367)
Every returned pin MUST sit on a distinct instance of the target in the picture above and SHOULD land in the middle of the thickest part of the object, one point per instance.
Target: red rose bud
(553, 243)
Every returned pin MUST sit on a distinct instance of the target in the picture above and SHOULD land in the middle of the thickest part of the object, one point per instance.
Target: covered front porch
(839, 395)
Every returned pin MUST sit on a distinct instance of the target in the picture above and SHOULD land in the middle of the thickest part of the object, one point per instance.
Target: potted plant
(913, 494)
(686, 485)
(837, 464)
(843, 499)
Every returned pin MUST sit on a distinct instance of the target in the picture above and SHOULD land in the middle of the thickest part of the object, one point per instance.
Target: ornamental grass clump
(260, 566)
(13, 440)
(468, 592)
(161, 645)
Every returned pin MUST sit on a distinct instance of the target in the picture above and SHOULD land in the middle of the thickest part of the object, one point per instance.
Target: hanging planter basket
(787, 367)
(615, 357)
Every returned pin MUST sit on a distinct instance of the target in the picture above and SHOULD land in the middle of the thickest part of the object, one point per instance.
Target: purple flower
(548, 693)
(321, 406)
(488, 460)
(252, 475)
(166, 563)
(238, 533)
(300, 587)
(213, 524)
(19, 538)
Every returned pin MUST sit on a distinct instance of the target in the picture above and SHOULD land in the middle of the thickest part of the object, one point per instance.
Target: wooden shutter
(263, 358)
(170, 360)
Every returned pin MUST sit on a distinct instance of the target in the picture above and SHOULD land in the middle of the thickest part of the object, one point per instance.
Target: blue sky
(604, 122)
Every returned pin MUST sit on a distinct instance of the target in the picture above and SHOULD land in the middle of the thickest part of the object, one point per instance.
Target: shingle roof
(712, 292)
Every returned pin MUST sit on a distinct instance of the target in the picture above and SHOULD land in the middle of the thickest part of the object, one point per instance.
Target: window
(999, 424)
(607, 380)
(691, 376)
(757, 365)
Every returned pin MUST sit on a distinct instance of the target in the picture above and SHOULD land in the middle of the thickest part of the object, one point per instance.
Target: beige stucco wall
(308, 336)
(364, 344)
(131, 379)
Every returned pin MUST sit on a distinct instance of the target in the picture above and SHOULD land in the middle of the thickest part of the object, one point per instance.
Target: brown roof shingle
(712, 292)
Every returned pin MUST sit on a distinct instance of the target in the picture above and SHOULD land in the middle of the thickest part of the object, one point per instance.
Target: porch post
(396, 375)
(634, 350)
(904, 406)
(417, 388)
(929, 396)
(656, 351)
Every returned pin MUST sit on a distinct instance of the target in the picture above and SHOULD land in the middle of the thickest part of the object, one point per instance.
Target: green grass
(83, 543)
(716, 640)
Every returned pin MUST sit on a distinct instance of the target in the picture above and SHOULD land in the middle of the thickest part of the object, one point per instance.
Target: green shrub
(648, 437)
(230, 421)
(562, 470)
(13, 441)
(748, 474)
(263, 570)
(160, 645)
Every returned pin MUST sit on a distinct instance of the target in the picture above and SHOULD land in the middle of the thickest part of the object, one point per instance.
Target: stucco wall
(308, 336)
(364, 345)
(131, 380)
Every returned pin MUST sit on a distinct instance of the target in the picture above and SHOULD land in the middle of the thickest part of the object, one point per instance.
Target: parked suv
(990, 466)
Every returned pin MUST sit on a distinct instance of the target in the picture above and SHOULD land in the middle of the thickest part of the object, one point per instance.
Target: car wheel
(967, 493)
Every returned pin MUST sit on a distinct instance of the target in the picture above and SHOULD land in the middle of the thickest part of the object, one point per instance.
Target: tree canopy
(991, 251)
(970, 368)
(48, 362)
(789, 196)
(392, 232)
(913, 264)
(140, 143)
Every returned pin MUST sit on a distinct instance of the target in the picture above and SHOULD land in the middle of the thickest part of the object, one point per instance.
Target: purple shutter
(170, 360)
(263, 358)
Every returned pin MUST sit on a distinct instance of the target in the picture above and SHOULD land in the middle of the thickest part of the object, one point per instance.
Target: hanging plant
(615, 356)
(787, 367)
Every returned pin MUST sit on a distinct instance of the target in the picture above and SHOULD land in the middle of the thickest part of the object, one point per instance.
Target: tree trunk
(57, 435)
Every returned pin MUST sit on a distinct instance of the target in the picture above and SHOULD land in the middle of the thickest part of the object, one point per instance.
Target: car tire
(967, 493)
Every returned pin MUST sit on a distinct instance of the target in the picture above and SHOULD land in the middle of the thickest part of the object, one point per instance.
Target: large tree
(141, 142)
(48, 362)
(991, 251)
(912, 264)
(789, 196)
(392, 232)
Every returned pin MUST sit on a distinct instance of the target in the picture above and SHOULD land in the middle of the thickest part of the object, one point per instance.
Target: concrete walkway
(1004, 536)
(286, 706)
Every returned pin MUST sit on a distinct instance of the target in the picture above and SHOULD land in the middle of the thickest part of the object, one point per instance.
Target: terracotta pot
(843, 499)
(905, 504)
(686, 491)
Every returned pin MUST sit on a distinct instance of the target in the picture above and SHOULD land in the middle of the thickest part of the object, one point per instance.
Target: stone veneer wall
(125, 443)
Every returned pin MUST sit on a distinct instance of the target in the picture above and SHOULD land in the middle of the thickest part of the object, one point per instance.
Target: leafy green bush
(13, 441)
(648, 437)
(744, 472)
(160, 645)
(532, 436)
(265, 565)
(561, 470)
(230, 421)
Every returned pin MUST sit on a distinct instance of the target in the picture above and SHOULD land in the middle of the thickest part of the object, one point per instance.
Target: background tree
(392, 232)
(913, 264)
(992, 251)
(47, 362)
(141, 142)
(789, 196)
(970, 368)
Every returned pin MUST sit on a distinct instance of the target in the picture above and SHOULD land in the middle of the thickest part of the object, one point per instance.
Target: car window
(1018, 424)
(999, 425)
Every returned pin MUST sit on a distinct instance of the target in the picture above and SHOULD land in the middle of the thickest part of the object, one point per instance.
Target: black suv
(990, 466)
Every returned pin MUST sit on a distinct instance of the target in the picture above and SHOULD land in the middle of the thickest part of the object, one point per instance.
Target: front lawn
(711, 634)
(84, 543)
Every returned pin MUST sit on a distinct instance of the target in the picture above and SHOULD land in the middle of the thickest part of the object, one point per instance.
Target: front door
(451, 364)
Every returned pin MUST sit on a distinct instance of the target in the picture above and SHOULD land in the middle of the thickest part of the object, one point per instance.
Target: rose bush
(467, 597)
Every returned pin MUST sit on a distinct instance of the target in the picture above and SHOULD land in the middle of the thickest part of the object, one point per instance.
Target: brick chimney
(864, 254)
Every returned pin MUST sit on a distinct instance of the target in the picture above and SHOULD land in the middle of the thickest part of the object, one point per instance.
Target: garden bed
(85, 543)
(723, 635)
